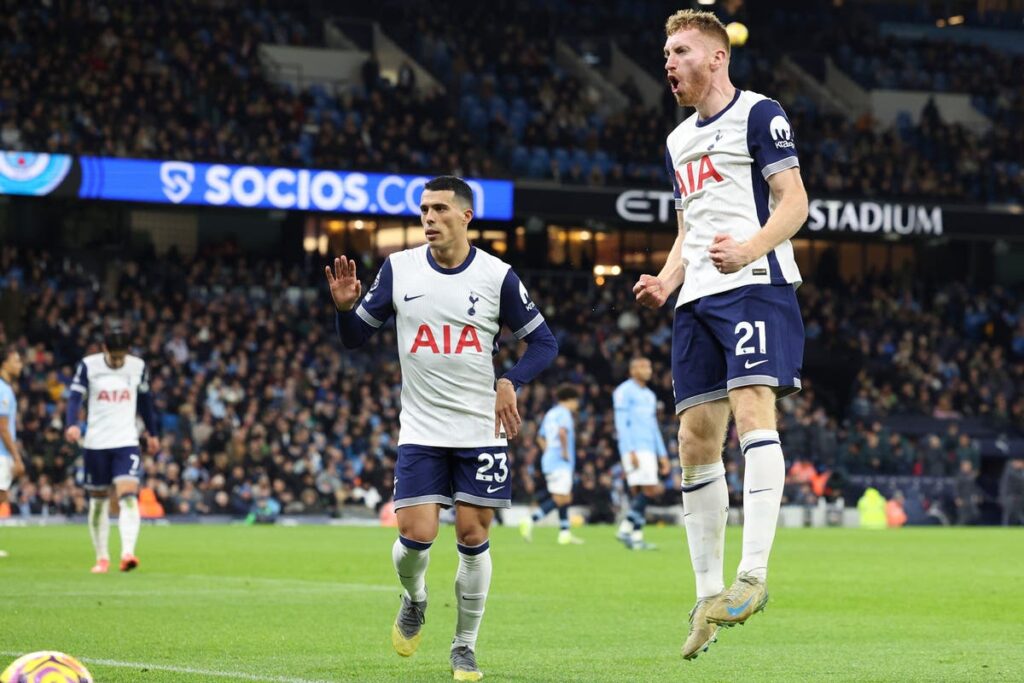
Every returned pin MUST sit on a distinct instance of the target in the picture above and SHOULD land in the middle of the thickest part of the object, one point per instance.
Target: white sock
(471, 584)
(411, 559)
(705, 514)
(99, 526)
(626, 526)
(763, 480)
(128, 523)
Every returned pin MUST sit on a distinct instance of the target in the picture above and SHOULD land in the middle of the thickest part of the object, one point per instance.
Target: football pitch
(314, 603)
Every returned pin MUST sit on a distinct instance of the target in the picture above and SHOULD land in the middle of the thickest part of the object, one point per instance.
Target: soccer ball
(738, 33)
(46, 667)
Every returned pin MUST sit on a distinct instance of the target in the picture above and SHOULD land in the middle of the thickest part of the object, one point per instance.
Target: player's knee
(753, 408)
(695, 446)
(472, 535)
(420, 532)
(127, 488)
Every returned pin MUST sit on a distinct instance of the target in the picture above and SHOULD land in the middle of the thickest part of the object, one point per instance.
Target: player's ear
(719, 53)
(467, 214)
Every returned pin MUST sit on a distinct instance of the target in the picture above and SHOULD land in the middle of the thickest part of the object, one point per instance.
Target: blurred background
(188, 167)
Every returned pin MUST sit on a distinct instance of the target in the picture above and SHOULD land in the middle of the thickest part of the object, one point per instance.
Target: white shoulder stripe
(529, 327)
(780, 165)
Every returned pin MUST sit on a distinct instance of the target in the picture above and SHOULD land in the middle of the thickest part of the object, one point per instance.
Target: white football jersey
(447, 322)
(113, 395)
(720, 169)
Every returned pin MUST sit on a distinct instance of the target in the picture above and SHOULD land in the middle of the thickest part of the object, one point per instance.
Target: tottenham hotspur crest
(369, 294)
(473, 298)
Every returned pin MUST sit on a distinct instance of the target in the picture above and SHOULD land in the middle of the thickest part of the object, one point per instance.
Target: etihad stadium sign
(828, 217)
(836, 215)
(833, 215)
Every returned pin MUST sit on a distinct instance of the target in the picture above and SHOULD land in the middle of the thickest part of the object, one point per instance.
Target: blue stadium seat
(476, 122)
(498, 107)
(540, 162)
(537, 168)
(317, 91)
(904, 123)
(520, 160)
(510, 84)
(517, 122)
(467, 103)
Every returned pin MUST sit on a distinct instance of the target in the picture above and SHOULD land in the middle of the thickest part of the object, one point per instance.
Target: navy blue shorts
(751, 335)
(107, 465)
(433, 474)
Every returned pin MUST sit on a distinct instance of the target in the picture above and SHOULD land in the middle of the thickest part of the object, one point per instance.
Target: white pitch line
(249, 583)
(332, 585)
(186, 670)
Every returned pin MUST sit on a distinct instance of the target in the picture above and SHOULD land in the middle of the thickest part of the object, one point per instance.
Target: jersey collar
(701, 124)
(451, 271)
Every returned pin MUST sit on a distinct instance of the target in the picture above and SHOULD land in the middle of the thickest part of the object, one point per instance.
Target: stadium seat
(520, 161)
(497, 106)
(517, 122)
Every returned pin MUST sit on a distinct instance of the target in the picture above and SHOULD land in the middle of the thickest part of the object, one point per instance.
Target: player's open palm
(345, 286)
(650, 292)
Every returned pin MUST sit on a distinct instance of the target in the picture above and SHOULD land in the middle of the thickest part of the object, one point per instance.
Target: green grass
(316, 604)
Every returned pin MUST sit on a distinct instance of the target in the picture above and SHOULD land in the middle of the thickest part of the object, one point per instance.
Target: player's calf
(129, 522)
(411, 559)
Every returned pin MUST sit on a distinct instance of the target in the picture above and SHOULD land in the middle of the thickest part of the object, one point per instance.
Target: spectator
(1011, 492)
(968, 495)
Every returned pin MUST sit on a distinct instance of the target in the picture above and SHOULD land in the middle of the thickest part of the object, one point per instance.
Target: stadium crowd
(262, 409)
(186, 82)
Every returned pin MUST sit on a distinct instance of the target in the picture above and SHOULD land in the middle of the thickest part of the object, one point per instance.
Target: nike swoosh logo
(758, 490)
(747, 365)
(492, 490)
(736, 611)
(410, 298)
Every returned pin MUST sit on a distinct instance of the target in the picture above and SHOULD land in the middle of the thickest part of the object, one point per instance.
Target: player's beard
(695, 88)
